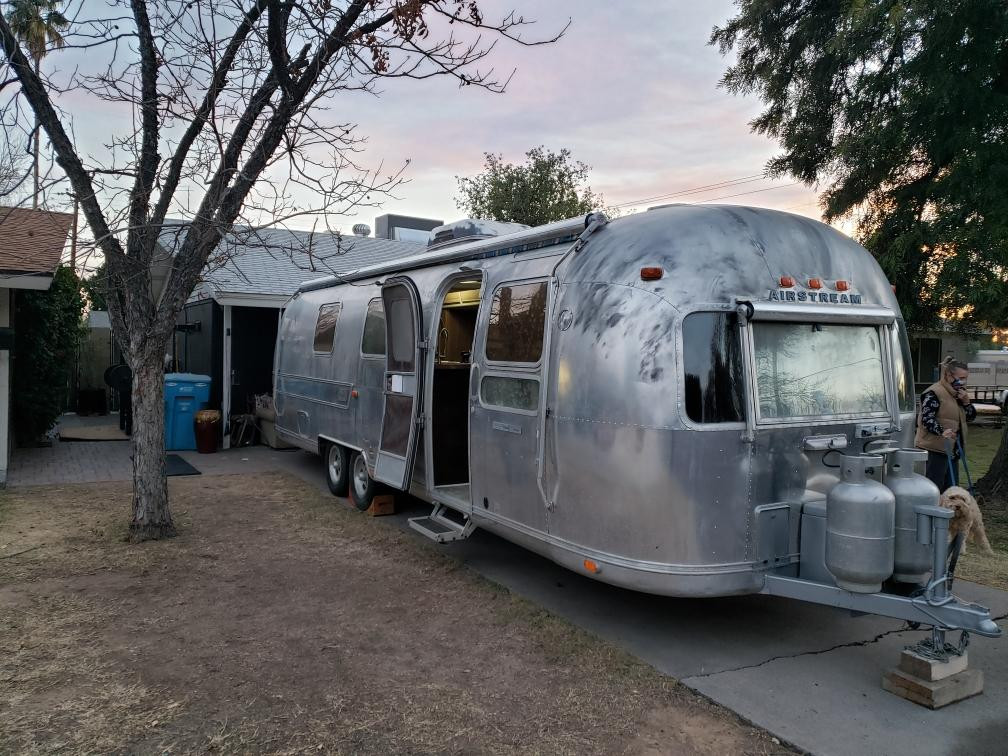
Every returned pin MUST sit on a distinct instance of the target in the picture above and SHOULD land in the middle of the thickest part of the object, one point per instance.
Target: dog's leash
(962, 456)
(948, 458)
(957, 543)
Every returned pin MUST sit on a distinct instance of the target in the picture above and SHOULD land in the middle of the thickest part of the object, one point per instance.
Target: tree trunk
(151, 516)
(994, 485)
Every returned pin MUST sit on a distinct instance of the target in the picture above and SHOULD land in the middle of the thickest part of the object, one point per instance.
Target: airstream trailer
(663, 401)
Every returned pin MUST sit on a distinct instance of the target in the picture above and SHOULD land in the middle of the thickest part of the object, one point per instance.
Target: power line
(754, 191)
(695, 190)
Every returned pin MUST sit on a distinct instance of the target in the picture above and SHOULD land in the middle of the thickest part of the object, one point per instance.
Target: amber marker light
(786, 282)
(814, 283)
(652, 273)
(593, 568)
(842, 286)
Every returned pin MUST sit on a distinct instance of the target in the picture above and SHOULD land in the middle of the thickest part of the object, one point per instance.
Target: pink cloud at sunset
(630, 88)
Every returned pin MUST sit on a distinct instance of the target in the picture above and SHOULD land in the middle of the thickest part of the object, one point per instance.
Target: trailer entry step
(439, 527)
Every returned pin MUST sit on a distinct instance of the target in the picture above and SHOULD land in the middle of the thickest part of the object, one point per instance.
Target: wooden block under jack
(934, 694)
(932, 670)
(381, 505)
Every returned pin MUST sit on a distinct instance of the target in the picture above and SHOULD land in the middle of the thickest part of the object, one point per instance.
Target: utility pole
(73, 236)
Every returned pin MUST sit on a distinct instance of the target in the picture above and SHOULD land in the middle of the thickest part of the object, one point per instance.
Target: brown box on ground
(931, 670)
(936, 694)
(383, 504)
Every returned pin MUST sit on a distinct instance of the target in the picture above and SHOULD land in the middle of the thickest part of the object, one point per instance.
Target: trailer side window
(712, 359)
(510, 392)
(325, 327)
(904, 368)
(373, 338)
(517, 321)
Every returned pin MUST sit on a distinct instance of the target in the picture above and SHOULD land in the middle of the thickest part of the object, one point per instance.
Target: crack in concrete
(851, 644)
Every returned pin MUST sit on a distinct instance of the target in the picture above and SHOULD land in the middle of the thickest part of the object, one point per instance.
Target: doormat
(175, 465)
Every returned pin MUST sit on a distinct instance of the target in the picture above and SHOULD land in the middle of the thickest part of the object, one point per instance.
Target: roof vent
(362, 229)
(470, 230)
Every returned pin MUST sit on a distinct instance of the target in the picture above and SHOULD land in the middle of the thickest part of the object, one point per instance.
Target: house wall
(931, 347)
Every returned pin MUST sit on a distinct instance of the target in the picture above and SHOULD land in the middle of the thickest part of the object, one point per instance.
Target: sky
(631, 89)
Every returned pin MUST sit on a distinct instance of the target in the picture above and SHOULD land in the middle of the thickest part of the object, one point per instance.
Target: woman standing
(945, 411)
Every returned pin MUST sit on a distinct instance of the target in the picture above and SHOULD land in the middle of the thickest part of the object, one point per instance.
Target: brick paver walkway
(93, 461)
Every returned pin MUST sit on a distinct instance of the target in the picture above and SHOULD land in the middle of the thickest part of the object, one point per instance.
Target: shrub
(47, 327)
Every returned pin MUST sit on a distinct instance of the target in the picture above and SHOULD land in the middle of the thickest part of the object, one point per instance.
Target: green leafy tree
(47, 329)
(899, 108)
(94, 288)
(549, 186)
(37, 24)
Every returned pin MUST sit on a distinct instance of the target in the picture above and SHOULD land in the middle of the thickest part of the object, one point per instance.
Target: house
(929, 348)
(229, 326)
(31, 245)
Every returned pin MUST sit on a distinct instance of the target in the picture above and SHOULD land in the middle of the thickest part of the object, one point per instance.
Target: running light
(652, 273)
(841, 286)
(814, 283)
(786, 282)
(592, 567)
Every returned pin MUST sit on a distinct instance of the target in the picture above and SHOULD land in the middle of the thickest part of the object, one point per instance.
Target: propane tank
(912, 560)
(860, 517)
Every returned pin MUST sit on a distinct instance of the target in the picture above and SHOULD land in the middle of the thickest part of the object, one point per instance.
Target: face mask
(958, 383)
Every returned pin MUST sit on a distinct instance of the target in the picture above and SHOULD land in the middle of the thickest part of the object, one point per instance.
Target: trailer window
(712, 359)
(325, 327)
(373, 338)
(513, 393)
(818, 369)
(517, 321)
(904, 368)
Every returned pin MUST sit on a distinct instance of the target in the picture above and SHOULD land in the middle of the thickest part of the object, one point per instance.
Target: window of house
(325, 327)
(712, 360)
(517, 321)
(373, 338)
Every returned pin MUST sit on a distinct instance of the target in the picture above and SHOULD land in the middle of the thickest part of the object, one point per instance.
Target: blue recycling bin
(184, 395)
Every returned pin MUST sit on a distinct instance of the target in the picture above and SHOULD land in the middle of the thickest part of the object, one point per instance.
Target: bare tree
(12, 168)
(233, 125)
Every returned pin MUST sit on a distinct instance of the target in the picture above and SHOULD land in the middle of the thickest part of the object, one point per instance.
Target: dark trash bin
(207, 424)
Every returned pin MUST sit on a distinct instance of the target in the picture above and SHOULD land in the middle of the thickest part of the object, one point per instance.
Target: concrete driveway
(809, 674)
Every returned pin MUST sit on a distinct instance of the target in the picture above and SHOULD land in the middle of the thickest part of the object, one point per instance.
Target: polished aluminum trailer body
(602, 468)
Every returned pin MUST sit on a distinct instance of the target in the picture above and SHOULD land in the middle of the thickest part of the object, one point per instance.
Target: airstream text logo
(781, 295)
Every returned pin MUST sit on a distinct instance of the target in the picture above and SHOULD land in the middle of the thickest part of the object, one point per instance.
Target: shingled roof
(274, 262)
(32, 241)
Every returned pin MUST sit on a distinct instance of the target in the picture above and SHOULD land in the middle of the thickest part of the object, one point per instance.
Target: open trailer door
(403, 371)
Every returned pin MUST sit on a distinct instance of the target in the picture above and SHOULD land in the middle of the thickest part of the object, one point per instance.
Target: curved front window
(818, 370)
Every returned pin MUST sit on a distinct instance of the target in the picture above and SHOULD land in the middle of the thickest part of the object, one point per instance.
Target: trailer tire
(336, 459)
(362, 486)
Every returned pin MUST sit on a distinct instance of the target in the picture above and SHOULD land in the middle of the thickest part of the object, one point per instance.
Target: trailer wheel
(362, 486)
(337, 465)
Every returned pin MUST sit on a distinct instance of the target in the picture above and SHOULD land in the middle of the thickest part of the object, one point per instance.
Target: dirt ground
(281, 621)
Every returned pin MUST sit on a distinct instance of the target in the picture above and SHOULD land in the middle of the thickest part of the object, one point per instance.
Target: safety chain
(926, 648)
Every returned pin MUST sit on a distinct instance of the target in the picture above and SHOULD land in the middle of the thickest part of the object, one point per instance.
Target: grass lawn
(991, 570)
(280, 621)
